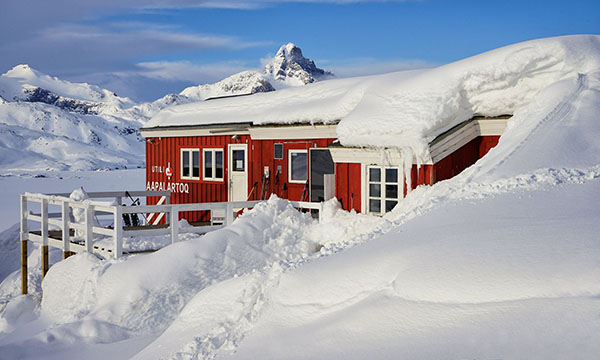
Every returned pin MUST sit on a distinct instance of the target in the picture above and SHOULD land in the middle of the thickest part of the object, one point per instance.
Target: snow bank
(498, 262)
(147, 292)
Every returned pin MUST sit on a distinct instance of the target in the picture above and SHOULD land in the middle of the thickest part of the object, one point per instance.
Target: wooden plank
(118, 233)
(89, 228)
(149, 232)
(65, 230)
(174, 225)
(24, 235)
(24, 273)
(45, 263)
(102, 231)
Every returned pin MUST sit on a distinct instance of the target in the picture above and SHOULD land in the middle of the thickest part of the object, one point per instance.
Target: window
(383, 189)
(278, 151)
(239, 159)
(213, 164)
(190, 164)
(298, 166)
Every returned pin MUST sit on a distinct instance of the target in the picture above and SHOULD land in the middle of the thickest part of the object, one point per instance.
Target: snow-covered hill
(50, 124)
(500, 261)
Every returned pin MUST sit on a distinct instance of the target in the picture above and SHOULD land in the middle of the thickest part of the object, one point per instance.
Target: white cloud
(187, 71)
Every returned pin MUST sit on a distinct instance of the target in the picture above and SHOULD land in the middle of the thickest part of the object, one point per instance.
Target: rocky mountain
(292, 68)
(288, 68)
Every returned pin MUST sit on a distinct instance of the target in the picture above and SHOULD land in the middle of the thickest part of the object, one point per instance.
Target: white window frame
(214, 164)
(296, 151)
(382, 189)
(191, 163)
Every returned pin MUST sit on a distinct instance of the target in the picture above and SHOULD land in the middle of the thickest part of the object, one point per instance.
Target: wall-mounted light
(235, 137)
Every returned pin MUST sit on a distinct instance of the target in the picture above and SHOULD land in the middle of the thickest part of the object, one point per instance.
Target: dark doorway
(321, 164)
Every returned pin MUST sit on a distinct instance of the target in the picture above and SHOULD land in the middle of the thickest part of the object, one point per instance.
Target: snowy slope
(499, 262)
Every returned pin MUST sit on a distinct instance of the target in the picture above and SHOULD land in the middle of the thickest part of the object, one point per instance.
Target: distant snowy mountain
(52, 124)
(289, 66)
(245, 82)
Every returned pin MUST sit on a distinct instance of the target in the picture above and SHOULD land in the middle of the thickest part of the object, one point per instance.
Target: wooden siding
(160, 152)
(348, 185)
(464, 157)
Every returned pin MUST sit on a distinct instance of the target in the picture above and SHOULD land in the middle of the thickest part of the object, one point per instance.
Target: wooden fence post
(66, 231)
(320, 212)
(44, 224)
(118, 234)
(23, 238)
(174, 224)
(89, 231)
(228, 213)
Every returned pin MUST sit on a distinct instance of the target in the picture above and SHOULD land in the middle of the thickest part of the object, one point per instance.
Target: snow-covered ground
(500, 262)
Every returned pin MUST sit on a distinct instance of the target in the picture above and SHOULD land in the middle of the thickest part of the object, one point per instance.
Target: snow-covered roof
(407, 109)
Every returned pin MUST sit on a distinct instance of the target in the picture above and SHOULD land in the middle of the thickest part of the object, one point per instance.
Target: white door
(238, 172)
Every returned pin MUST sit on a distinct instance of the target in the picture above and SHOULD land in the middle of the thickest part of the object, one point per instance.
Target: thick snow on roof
(408, 109)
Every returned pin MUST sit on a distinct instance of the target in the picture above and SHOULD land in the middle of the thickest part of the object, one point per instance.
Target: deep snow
(499, 262)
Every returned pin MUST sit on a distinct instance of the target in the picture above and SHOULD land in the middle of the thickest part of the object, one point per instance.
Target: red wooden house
(236, 161)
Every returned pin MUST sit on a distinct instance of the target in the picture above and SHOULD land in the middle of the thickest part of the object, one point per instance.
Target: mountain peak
(291, 67)
(22, 71)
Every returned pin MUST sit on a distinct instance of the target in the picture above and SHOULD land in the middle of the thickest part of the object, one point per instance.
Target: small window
(213, 164)
(383, 189)
(298, 166)
(239, 160)
(190, 164)
(278, 151)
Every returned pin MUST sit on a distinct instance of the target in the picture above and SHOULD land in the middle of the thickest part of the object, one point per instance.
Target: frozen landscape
(499, 262)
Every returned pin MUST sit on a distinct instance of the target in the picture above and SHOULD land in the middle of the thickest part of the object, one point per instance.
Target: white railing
(88, 230)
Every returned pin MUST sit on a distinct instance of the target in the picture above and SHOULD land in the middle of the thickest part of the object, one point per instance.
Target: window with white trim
(297, 166)
(190, 164)
(383, 189)
(213, 164)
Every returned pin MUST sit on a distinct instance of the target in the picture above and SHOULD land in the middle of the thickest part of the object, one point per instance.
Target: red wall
(464, 157)
(162, 151)
(347, 185)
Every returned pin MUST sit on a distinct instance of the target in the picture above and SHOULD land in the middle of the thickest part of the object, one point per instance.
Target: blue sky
(145, 49)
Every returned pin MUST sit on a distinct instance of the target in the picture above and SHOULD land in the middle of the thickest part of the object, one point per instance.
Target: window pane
(299, 166)
(208, 164)
(389, 205)
(375, 190)
(219, 164)
(238, 160)
(374, 205)
(196, 163)
(391, 175)
(391, 191)
(374, 174)
(185, 164)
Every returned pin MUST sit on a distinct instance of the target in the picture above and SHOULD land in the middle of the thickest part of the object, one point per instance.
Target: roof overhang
(240, 128)
(257, 132)
(443, 145)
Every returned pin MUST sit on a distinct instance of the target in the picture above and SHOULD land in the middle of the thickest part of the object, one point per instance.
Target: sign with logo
(169, 171)
(174, 187)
